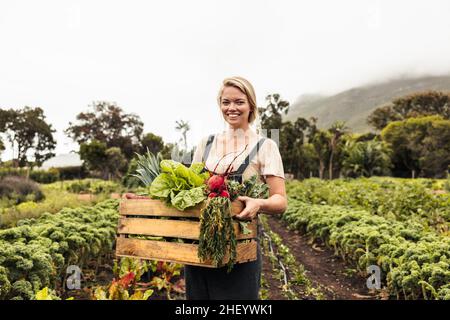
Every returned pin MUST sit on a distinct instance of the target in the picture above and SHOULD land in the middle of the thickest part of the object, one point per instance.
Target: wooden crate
(142, 217)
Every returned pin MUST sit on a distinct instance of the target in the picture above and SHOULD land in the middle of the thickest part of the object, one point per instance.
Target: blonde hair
(245, 87)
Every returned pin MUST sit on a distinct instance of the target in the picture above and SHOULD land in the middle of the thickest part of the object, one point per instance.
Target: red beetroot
(216, 183)
(224, 194)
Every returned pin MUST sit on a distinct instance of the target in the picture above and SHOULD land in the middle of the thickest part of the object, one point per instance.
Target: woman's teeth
(233, 115)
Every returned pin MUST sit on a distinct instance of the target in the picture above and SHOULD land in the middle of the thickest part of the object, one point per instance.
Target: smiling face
(235, 108)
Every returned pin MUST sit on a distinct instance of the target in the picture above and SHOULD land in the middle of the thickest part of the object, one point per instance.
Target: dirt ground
(323, 268)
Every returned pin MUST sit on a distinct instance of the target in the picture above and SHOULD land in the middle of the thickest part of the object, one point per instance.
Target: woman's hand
(252, 206)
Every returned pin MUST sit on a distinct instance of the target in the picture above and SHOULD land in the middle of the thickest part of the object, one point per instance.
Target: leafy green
(162, 186)
(36, 252)
(197, 167)
(178, 185)
(414, 261)
(188, 198)
(148, 167)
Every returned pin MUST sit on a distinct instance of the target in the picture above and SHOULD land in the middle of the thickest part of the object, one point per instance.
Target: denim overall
(243, 281)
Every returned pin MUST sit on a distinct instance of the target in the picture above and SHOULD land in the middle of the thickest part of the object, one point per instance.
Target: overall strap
(207, 147)
(250, 156)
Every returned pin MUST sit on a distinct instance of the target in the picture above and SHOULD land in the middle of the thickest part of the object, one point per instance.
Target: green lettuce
(188, 198)
(179, 185)
(161, 186)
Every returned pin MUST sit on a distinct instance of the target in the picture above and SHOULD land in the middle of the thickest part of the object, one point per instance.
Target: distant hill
(63, 160)
(355, 105)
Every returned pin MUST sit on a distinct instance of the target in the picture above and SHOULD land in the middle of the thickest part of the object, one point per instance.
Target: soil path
(323, 268)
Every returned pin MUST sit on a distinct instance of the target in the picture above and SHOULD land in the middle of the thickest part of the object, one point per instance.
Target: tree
(337, 130)
(292, 139)
(27, 131)
(116, 163)
(309, 162)
(152, 142)
(413, 105)
(2, 148)
(110, 163)
(183, 127)
(321, 143)
(420, 146)
(435, 157)
(167, 151)
(382, 116)
(109, 124)
(366, 158)
(271, 114)
(368, 136)
(93, 154)
(5, 118)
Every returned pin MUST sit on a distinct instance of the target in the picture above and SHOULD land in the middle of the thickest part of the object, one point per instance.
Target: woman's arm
(275, 204)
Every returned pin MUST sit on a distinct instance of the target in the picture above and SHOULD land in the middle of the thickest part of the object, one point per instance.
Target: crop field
(320, 248)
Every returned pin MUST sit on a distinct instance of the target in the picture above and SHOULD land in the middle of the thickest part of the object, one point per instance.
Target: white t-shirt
(267, 161)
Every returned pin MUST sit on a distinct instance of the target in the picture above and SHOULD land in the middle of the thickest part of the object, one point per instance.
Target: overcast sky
(164, 60)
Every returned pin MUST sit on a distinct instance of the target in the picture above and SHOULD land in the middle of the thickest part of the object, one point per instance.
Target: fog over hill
(354, 105)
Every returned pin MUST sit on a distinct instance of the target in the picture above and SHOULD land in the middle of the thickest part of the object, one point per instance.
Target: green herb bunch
(217, 235)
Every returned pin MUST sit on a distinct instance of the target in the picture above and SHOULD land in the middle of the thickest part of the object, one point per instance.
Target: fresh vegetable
(216, 183)
(414, 261)
(36, 253)
(148, 167)
(224, 193)
(217, 236)
(120, 290)
(178, 185)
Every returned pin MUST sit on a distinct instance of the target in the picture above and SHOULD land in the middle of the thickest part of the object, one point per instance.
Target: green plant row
(395, 199)
(92, 186)
(415, 263)
(36, 253)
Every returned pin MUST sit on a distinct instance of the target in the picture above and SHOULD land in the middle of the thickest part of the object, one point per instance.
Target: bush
(71, 173)
(93, 186)
(9, 171)
(40, 176)
(20, 189)
(43, 176)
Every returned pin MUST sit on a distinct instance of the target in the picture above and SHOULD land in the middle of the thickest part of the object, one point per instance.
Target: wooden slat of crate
(182, 253)
(174, 228)
(152, 207)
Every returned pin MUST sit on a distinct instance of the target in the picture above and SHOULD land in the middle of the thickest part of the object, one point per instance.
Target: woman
(252, 154)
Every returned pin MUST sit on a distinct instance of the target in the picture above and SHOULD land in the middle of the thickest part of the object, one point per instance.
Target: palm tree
(337, 130)
(184, 127)
(366, 158)
(320, 142)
